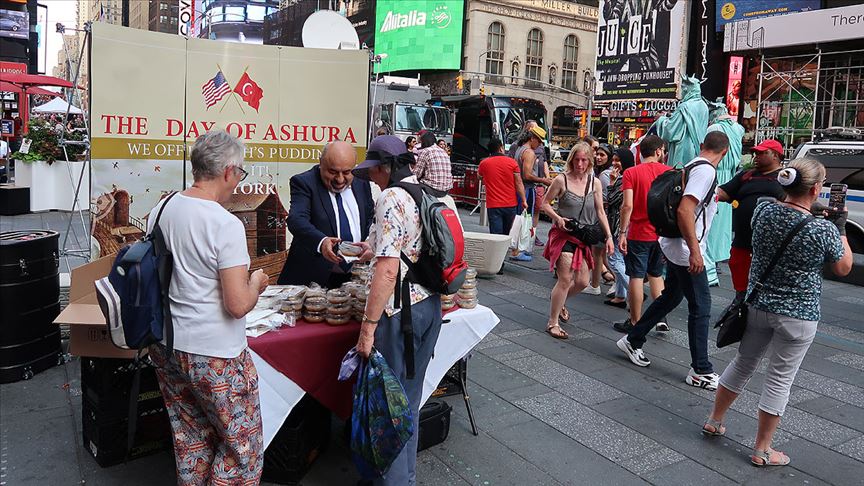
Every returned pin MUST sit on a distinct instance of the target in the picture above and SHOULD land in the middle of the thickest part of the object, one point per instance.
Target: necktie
(344, 224)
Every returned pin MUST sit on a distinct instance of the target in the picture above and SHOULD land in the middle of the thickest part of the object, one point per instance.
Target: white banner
(818, 26)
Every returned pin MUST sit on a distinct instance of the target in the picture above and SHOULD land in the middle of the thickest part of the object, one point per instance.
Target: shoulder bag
(733, 322)
(590, 234)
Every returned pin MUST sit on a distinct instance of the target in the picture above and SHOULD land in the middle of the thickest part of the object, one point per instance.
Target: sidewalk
(549, 411)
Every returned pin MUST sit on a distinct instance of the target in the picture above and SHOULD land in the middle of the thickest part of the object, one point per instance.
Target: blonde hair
(800, 175)
(580, 148)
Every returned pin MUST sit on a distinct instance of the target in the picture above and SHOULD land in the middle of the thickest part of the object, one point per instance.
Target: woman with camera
(784, 312)
(579, 223)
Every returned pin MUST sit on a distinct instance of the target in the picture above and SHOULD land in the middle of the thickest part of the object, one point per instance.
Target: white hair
(213, 152)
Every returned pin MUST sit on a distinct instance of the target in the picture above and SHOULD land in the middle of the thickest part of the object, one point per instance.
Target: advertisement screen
(733, 85)
(736, 10)
(14, 24)
(639, 49)
(419, 34)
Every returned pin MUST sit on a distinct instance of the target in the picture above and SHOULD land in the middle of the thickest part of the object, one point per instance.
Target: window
(495, 49)
(163, 6)
(569, 67)
(534, 55)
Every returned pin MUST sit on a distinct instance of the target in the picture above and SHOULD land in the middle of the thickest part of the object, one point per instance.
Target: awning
(11, 88)
(28, 80)
(57, 106)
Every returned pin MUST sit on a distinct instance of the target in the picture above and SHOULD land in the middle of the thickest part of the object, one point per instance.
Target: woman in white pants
(783, 317)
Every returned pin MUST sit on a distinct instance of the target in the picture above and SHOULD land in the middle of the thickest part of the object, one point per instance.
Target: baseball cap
(539, 132)
(770, 144)
(383, 149)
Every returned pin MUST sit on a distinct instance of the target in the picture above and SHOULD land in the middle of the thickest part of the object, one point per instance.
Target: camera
(570, 225)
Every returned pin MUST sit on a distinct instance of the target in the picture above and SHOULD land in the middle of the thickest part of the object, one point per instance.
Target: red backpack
(440, 268)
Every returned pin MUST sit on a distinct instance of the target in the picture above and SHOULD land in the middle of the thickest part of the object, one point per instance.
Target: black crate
(304, 436)
(105, 435)
(107, 382)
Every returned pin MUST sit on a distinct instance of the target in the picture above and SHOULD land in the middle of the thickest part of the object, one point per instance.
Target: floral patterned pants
(215, 416)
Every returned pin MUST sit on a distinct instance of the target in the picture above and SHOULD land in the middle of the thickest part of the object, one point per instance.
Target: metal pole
(816, 98)
(759, 105)
(588, 124)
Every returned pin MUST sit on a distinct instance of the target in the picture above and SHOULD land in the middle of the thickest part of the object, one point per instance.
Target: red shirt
(497, 173)
(639, 179)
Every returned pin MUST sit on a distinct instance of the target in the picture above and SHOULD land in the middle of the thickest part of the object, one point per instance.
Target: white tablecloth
(278, 394)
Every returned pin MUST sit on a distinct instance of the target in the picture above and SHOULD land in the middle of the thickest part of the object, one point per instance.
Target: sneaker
(523, 257)
(707, 381)
(537, 242)
(636, 356)
(662, 327)
(591, 290)
(623, 326)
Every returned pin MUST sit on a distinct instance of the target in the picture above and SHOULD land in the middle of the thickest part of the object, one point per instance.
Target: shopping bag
(381, 419)
(522, 233)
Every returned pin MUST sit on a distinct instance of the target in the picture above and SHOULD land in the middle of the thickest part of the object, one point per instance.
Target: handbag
(590, 234)
(733, 322)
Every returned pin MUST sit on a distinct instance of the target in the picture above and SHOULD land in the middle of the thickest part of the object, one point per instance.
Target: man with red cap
(743, 191)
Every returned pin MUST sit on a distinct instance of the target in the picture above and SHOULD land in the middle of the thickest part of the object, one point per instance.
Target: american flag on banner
(215, 89)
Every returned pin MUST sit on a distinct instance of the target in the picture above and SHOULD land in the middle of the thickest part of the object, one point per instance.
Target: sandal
(713, 428)
(608, 280)
(763, 458)
(564, 315)
(620, 305)
(559, 334)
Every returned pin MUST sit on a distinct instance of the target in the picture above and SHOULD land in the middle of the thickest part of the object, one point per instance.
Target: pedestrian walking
(637, 238)
(784, 314)
(397, 232)
(210, 384)
(579, 223)
(530, 165)
(685, 269)
(614, 200)
(503, 182)
(743, 191)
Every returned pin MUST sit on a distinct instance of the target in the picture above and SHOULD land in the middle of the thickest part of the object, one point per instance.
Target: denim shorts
(644, 258)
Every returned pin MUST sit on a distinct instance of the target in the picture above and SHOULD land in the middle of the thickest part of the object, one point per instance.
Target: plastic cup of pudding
(338, 319)
(467, 293)
(470, 274)
(469, 284)
(467, 303)
(338, 296)
(316, 304)
(313, 316)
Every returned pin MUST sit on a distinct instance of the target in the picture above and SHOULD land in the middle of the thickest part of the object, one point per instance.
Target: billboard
(143, 124)
(640, 49)
(15, 24)
(419, 34)
(818, 26)
(736, 10)
(733, 85)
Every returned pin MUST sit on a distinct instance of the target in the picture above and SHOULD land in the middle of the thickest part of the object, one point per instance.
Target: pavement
(549, 412)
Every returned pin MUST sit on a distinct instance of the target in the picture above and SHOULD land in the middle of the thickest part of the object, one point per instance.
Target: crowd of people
(599, 210)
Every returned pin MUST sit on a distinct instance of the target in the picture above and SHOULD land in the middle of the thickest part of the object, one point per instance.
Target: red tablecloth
(310, 355)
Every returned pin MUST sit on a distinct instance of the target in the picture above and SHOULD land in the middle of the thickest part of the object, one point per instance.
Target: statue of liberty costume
(720, 235)
(685, 128)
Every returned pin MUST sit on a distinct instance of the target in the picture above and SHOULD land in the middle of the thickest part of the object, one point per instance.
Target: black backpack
(665, 195)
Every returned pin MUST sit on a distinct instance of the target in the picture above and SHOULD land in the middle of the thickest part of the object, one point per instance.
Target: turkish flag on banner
(249, 91)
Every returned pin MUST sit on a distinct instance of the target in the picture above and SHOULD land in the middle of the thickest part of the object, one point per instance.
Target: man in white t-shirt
(685, 270)
(210, 386)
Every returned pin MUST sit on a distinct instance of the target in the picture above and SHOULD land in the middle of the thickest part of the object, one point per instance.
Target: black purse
(733, 322)
(590, 234)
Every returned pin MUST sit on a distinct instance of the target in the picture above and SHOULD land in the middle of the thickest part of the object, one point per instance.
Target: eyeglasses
(243, 173)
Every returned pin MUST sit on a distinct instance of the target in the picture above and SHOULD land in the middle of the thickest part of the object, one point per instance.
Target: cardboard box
(88, 332)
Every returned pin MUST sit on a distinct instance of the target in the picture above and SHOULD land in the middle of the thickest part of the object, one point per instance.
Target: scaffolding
(801, 95)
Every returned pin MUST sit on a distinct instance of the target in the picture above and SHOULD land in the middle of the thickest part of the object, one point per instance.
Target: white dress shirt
(349, 203)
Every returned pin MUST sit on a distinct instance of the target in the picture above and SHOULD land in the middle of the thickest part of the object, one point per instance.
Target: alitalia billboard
(419, 34)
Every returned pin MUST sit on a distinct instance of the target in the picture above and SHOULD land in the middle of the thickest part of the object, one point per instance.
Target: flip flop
(561, 315)
(608, 280)
(561, 334)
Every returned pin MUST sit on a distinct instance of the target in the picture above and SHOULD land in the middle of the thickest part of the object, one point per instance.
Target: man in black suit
(328, 205)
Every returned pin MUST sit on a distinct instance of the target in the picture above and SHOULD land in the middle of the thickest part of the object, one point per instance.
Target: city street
(549, 412)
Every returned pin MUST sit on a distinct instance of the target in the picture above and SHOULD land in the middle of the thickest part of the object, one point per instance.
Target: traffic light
(460, 84)
(583, 120)
(482, 91)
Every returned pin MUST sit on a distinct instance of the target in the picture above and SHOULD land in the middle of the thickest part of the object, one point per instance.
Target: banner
(640, 49)
(283, 103)
(419, 34)
(735, 10)
(815, 27)
(733, 85)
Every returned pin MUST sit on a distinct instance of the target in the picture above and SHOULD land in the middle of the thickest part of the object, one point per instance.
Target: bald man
(328, 205)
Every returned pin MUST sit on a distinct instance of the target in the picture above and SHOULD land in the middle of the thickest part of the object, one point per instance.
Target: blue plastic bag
(381, 419)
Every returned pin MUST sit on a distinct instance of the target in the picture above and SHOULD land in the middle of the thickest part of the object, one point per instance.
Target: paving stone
(830, 387)
(39, 447)
(491, 341)
(562, 457)
(566, 380)
(816, 429)
(47, 390)
(495, 376)
(854, 448)
(431, 471)
(826, 465)
(532, 390)
(517, 333)
(652, 460)
(491, 412)
(564, 352)
(848, 415)
(841, 332)
(848, 359)
(591, 429)
(521, 353)
(686, 473)
(485, 461)
(497, 350)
